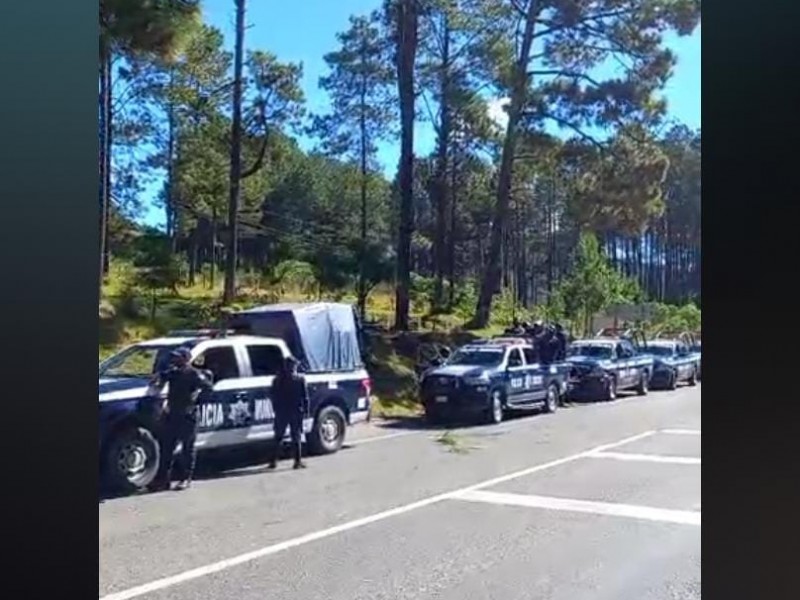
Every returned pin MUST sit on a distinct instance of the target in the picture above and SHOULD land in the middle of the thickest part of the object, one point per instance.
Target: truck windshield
(137, 361)
(660, 350)
(484, 358)
(590, 350)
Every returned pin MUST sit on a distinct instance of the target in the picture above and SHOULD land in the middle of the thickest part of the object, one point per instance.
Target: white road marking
(378, 438)
(681, 431)
(684, 517)
(166, 582)
(678, 460)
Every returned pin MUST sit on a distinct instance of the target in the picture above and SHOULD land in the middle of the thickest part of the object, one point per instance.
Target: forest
(557, 186)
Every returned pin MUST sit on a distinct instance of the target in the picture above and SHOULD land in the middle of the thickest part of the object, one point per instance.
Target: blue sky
(305, 30)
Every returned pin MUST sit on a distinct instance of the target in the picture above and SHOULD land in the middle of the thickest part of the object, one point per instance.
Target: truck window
(221, 362)
(265, 359)
(530, 356)
(514, 358)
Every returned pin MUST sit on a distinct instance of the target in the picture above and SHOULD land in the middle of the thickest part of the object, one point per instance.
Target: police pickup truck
(674, 362)
(239, 408)
(604, 365)
(488, 379)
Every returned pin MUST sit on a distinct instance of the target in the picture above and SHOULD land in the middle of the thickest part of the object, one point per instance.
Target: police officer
(180, 418)
(561, 338)
(547, 345)
(290, 400)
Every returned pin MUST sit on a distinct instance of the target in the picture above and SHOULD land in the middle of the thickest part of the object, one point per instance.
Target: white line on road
(658, 458)
(378, 438)
(166, 582)
(684, 517)
(681, 431)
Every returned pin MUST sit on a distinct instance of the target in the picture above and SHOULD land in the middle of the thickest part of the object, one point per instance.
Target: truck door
(264, 363)
(515, 377)
(534, 375)
(225, 411)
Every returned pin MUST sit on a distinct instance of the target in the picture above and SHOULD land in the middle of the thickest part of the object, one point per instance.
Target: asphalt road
(597, 501)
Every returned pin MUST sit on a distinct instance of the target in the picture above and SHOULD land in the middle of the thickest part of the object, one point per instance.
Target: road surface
(597, 501)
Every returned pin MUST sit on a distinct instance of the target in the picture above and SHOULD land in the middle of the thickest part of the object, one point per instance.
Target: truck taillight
(366, 385)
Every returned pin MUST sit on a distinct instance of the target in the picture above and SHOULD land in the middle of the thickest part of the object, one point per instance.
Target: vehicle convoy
(487, 380)
(604, 365)
(674, 363)
(243, 362)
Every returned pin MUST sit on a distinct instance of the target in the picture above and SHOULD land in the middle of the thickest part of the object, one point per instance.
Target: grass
(454, 443)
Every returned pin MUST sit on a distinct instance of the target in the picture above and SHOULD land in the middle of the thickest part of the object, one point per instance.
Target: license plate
(441, 398)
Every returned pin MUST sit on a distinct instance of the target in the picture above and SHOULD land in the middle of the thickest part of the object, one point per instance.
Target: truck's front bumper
(464, 402)
(588, 389)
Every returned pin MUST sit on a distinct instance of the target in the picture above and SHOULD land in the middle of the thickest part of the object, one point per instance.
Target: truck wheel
(329, 431)
(644, 383)
(611, 389)
(672, 383)
(132, 460)
(494, 414)
(551, 401)
(693, 377)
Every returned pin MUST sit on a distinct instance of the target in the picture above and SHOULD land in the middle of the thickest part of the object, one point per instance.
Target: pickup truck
(603, 366)
(239, 408)
(488, 380)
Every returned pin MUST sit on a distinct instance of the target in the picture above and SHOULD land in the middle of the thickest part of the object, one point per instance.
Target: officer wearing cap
(290, 401)
(561, 337)
(180, 418)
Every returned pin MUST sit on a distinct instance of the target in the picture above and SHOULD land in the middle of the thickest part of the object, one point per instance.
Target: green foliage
(592, 285)
(676, 318)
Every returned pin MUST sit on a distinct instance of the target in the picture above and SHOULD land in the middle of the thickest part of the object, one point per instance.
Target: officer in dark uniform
(561, 338)
(547, 345)
(180, 416)
(290, 401)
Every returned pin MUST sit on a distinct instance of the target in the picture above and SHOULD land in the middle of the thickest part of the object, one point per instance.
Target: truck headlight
(481, 379)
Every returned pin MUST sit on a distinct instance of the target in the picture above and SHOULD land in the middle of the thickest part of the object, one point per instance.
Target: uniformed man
(290, 401)
(180, 415)
(548, 345)
(561, 338)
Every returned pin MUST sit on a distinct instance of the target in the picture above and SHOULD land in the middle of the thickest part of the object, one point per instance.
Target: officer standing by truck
(290, 401)
(180, 418)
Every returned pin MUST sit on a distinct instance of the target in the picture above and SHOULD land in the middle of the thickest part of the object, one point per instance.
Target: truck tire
(672, 382)
(131, 460)
(329, 430)
(611, 389)
(494, 413)
(552, 398)
(644, 383)
(693, 377)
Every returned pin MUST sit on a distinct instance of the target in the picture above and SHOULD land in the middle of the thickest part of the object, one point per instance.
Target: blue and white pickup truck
(239, 408)
(489, 379)
(674, 362)
(603, 366)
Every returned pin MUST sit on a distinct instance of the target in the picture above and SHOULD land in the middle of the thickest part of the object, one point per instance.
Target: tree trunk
(104, 155)
(229, 292)
(491, 278)
(440, 187)
(169, 201)
(362, 284)
(213, 271)
(406, 54)
(451, 251)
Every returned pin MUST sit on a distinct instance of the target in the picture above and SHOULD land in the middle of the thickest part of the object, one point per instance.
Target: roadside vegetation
(556, 187)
